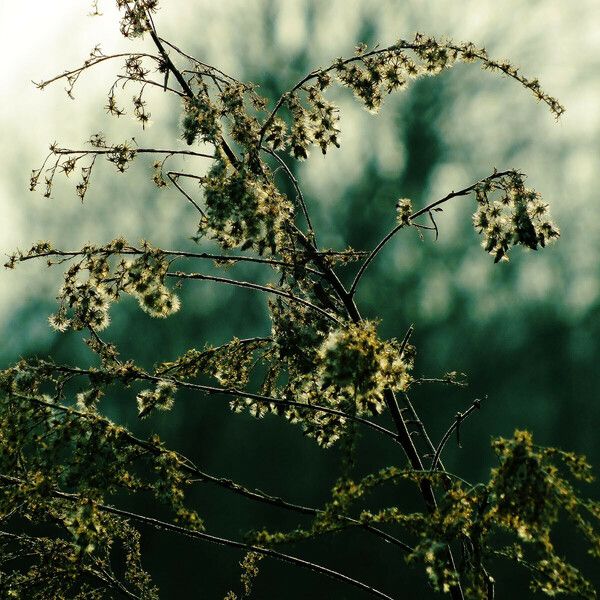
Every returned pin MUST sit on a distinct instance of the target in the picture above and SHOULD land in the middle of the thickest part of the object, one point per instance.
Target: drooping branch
(255, 286)
(427, 209)
(439, 55)
(189, 467)
(193, 534)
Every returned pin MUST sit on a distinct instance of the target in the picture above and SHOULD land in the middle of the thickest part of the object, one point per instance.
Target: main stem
(390, 399)
(346, 298)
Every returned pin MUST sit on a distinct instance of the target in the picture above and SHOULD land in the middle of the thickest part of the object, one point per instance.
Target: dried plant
(323, 367)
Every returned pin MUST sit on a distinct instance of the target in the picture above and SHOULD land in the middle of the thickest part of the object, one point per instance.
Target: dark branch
(299, 194)
(426, 209)
(458, 419)
(191, 533)
(254, 286)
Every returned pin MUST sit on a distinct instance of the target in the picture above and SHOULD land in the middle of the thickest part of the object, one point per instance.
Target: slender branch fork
(458, 419)
(191, 533)
(427, 209)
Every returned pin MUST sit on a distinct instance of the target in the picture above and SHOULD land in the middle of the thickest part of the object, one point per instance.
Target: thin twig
(199, 62)
(254, 286)
(463, 192)
(131, 250)
(406, 339)
(92, 62)
(458, 419)
(299, 194)
(181, 190)
(435, 227)
(426, 209)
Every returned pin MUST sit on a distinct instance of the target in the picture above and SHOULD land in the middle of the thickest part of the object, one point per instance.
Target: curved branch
(282, 402)
(92, 62)
(426, 209)
(424, 44)
(254, 286)
(299, 194)
(191, 533)
(229, 259)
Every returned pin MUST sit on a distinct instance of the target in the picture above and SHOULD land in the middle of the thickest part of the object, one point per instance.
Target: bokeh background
(526, 333)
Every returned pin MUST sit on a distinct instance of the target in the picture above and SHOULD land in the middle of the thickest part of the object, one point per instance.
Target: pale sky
(558, 41)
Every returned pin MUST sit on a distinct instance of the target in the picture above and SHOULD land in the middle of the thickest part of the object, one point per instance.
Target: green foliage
(64, 465)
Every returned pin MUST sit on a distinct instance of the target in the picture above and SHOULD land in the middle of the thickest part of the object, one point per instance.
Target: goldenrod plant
(67, 466)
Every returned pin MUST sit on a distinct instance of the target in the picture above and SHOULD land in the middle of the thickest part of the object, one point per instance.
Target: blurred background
(526, 333)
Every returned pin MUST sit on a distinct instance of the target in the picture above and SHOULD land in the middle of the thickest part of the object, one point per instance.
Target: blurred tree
(67, 462)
